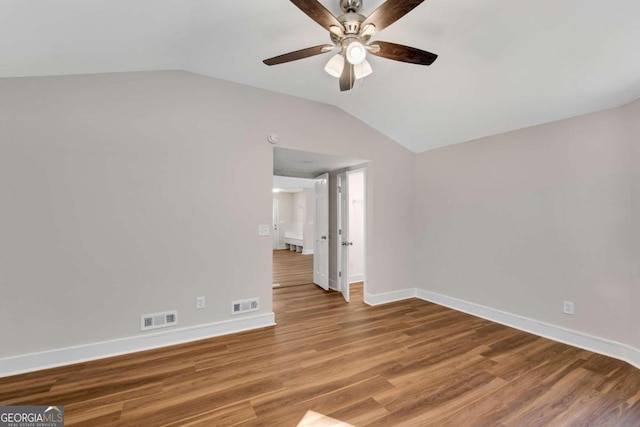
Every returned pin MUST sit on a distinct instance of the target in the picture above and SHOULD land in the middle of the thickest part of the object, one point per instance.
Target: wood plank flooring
(409, 363)
(292, 268)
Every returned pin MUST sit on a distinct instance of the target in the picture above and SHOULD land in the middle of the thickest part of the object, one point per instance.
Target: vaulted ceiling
(503, 64)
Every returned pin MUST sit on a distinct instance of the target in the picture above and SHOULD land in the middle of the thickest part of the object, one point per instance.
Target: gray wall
(524, 220)
(124, 194)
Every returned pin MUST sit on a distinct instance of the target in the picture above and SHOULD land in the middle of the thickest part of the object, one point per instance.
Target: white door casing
(276, 218)
(321, 246)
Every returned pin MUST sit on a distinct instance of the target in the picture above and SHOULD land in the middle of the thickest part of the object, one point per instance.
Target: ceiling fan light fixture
(335, 65)
(350, 33)
(356, 52)
(362, 70)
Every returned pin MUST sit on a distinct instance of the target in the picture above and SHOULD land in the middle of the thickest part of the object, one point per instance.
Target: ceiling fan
(351, 33)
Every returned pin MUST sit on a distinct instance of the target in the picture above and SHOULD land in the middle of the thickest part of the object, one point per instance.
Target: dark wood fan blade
(399, 52)
(348, 77)
(389, 12)
(318, 13)
(298, 54)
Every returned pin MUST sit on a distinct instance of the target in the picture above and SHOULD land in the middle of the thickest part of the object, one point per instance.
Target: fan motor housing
(351, 22)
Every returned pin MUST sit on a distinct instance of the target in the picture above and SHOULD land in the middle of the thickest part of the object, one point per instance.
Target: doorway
(293, 233)
(299, 164)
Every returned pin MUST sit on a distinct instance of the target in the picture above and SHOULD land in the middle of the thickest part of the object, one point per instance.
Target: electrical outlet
(567, 307)
(200, 303)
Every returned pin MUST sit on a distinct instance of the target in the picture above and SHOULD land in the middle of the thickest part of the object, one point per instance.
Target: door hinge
(339, 273)
(339, 232)
(339, 189)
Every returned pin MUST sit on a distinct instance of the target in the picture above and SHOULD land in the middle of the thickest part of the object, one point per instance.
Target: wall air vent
(158, 320)
(244, 306)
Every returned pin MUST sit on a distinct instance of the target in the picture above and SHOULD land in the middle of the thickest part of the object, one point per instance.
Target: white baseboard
(66, 356)
(307, 251)
(557, 333)
(333, 285)
(387, 297)
(356, 278)
(593, 343)
(634, 357)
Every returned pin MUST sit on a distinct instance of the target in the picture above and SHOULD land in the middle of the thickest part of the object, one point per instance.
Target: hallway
(291, 268)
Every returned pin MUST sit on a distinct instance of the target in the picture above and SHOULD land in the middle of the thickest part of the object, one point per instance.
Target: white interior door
(343, 236)
(321, 247)
(276, 219)
(355, 182)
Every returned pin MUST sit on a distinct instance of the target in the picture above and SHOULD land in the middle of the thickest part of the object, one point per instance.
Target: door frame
(362, 165)
(275, 218)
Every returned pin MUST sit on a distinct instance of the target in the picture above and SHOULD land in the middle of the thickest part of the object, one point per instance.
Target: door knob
(324, 237)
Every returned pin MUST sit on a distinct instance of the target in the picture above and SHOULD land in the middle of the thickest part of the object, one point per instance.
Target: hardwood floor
(409, 363)
(292, 268)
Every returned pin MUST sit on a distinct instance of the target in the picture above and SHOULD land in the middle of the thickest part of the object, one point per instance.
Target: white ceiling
(302, 164)
(289, 184)
(503, 64)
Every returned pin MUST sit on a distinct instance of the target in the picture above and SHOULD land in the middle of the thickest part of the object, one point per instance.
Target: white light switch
(264, 230)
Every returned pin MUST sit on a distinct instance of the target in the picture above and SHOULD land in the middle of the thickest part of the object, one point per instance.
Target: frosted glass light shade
(356, 53)
(362, 70)
(335, 65)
